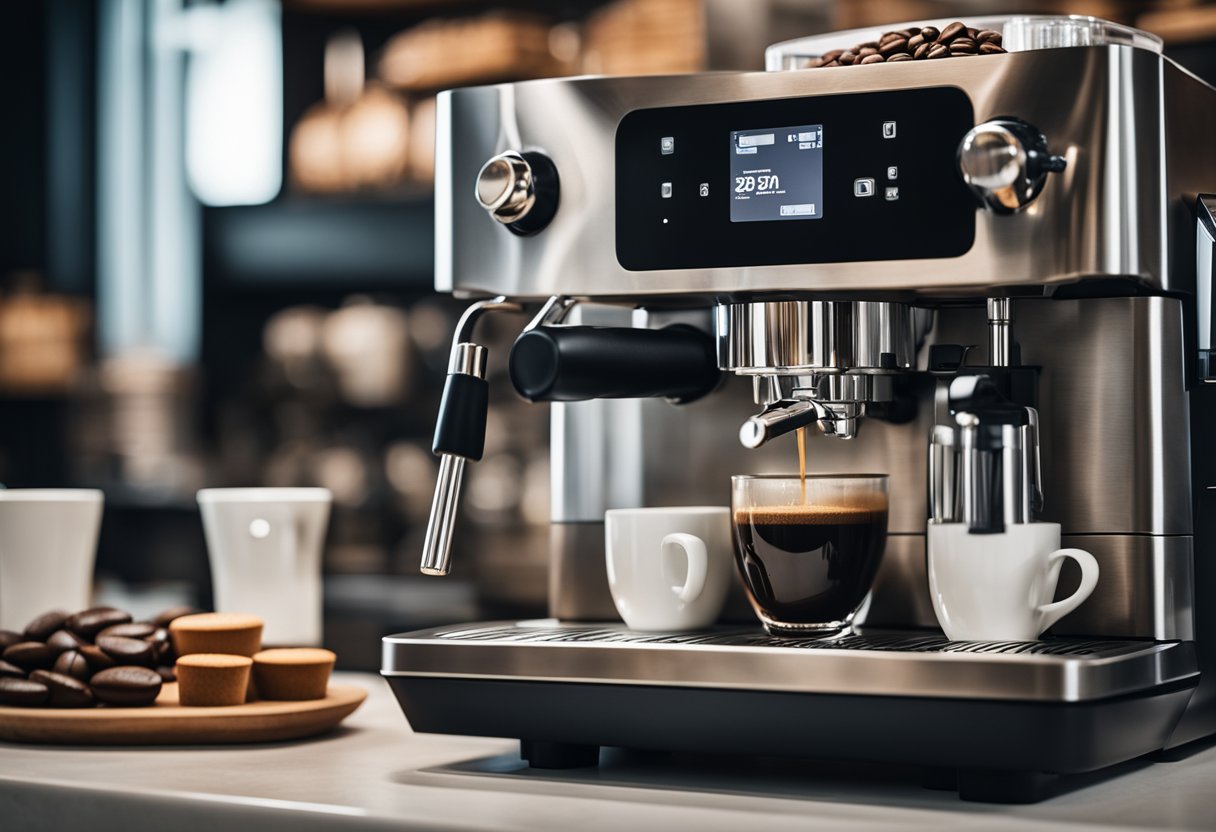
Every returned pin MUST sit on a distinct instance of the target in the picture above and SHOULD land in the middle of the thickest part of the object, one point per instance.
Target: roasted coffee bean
(963, 46)
(74, 664)
(866, 51)
(23, 693)
(8, 638)
(126, 686)
(915, 41)
(65, 692)
(127, 650)
(991, 49)
(893, 46)
(870, 44)
(930, 33)
(902, 56)
(97, 658)
(938, 50)
(951, 32)
(847, 59)
(90, 622)
(833, 63)
(826, 57)
(62, 640)
(167, 673)
(872, 59)
(922, 51)
(31, 655)
(8, 669)
(972, 32)
(40, 628)
(890, 36)
(136, 629)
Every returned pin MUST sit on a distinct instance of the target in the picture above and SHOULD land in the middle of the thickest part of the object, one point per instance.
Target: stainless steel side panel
(1101, 107)
(870, 664)
(1146, 588)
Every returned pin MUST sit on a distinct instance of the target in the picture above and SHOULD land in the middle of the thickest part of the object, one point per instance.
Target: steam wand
(460, 431)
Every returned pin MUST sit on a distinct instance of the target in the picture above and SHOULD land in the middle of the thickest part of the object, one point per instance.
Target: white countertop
(376, 773)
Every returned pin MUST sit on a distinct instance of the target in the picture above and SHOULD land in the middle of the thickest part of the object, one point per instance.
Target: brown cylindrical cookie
(292, 673)
(212, 679)
(239, 634)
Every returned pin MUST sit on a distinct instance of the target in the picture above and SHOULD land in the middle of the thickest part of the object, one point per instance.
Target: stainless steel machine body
(1089, 291)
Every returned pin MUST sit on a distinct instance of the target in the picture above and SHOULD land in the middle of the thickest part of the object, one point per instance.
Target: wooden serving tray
(168, 723)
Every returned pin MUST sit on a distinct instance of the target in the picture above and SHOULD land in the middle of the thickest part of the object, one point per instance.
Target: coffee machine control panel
(823, 179)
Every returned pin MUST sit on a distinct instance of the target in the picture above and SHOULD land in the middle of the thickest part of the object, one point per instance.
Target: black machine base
(991, 751)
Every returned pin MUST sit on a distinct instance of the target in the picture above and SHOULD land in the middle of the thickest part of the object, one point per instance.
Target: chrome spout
(834, 419)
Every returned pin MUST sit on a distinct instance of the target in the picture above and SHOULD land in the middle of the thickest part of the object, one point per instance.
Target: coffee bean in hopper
(62, 640)
(89, 623)
(127, 650)
(135, 629)
(126, 686)
(11, 670)
(952, 31)
(23, 693)
(74, 664)
(8, 638)
(63, 691)
(40, 628)
(31, 655)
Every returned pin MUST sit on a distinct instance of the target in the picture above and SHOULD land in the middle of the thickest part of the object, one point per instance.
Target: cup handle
(1051, 613)
(698, 563)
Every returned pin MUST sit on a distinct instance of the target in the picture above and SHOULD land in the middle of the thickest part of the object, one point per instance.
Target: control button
(892, 173)
(665, 190)
(667, 145)
(892, 194)
(888, 129)
(703, 189)
(863, 187)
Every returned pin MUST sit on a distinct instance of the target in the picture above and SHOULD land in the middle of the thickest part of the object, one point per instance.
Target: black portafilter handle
(577, 363)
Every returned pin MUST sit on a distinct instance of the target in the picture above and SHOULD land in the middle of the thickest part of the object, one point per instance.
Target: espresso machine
(703, 263)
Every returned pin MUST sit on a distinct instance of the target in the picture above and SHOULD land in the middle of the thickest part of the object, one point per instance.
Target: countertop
(375, 773)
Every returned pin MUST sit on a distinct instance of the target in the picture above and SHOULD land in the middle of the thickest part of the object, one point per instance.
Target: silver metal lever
(459, 431)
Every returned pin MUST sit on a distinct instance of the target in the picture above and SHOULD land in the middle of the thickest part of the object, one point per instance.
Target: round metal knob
(506, 187)
(1006, 163)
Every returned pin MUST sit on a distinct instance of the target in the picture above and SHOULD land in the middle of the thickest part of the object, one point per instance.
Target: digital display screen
(777, 174)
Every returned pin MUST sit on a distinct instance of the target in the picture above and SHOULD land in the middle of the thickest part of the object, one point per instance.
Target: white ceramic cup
(265, 545)
(48, 541)
(669, 568)
(998, 587)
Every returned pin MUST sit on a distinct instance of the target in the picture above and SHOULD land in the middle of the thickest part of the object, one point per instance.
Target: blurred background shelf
(315, 242)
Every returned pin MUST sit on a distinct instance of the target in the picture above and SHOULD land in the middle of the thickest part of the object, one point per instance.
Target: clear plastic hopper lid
(1019, 33)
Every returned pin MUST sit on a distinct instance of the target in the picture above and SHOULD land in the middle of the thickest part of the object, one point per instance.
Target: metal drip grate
(879, 641)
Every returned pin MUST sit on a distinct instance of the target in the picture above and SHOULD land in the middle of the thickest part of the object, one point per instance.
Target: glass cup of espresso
(808, 549)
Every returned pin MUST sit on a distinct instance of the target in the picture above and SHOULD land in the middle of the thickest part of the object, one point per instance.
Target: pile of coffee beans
(917, 44)
(98, 656)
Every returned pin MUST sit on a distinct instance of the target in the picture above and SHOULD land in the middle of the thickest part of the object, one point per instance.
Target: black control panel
(823, 179)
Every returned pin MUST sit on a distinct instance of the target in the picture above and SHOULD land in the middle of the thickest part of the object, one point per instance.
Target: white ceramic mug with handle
(669, 568)
(999, 587)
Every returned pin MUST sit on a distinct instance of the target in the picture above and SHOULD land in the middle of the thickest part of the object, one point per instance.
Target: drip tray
(873, 662)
